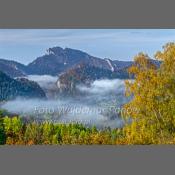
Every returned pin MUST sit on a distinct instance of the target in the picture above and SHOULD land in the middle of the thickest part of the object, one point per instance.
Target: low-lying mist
(100, 105)
(47, 82)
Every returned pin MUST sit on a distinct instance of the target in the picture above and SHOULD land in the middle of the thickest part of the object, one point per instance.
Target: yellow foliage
(153, 99)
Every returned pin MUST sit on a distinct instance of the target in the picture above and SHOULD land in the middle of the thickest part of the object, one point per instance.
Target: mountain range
(57, 60)
(70, 65)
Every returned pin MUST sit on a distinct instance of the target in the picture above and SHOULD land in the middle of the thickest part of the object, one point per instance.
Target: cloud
(62, 111)
(48, 84)
(103, 86)
(40, 36)
(96, 107)
(45, 81)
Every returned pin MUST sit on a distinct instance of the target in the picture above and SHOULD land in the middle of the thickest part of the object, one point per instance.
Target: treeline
(13, 131)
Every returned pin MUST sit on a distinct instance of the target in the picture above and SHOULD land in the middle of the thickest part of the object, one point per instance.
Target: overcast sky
(25, 45)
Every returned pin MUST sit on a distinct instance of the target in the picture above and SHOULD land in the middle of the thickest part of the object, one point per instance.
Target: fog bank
(96, 107)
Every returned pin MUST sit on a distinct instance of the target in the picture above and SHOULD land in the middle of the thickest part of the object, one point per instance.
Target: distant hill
(12, 68)
(11, 88)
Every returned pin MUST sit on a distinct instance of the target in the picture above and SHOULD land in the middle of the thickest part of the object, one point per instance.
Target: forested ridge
(12, 88)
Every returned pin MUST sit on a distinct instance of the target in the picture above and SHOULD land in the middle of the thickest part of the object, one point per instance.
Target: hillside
(11, 88)
(86, 74)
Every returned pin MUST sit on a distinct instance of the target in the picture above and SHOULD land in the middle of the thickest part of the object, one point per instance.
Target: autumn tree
(152, 108)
